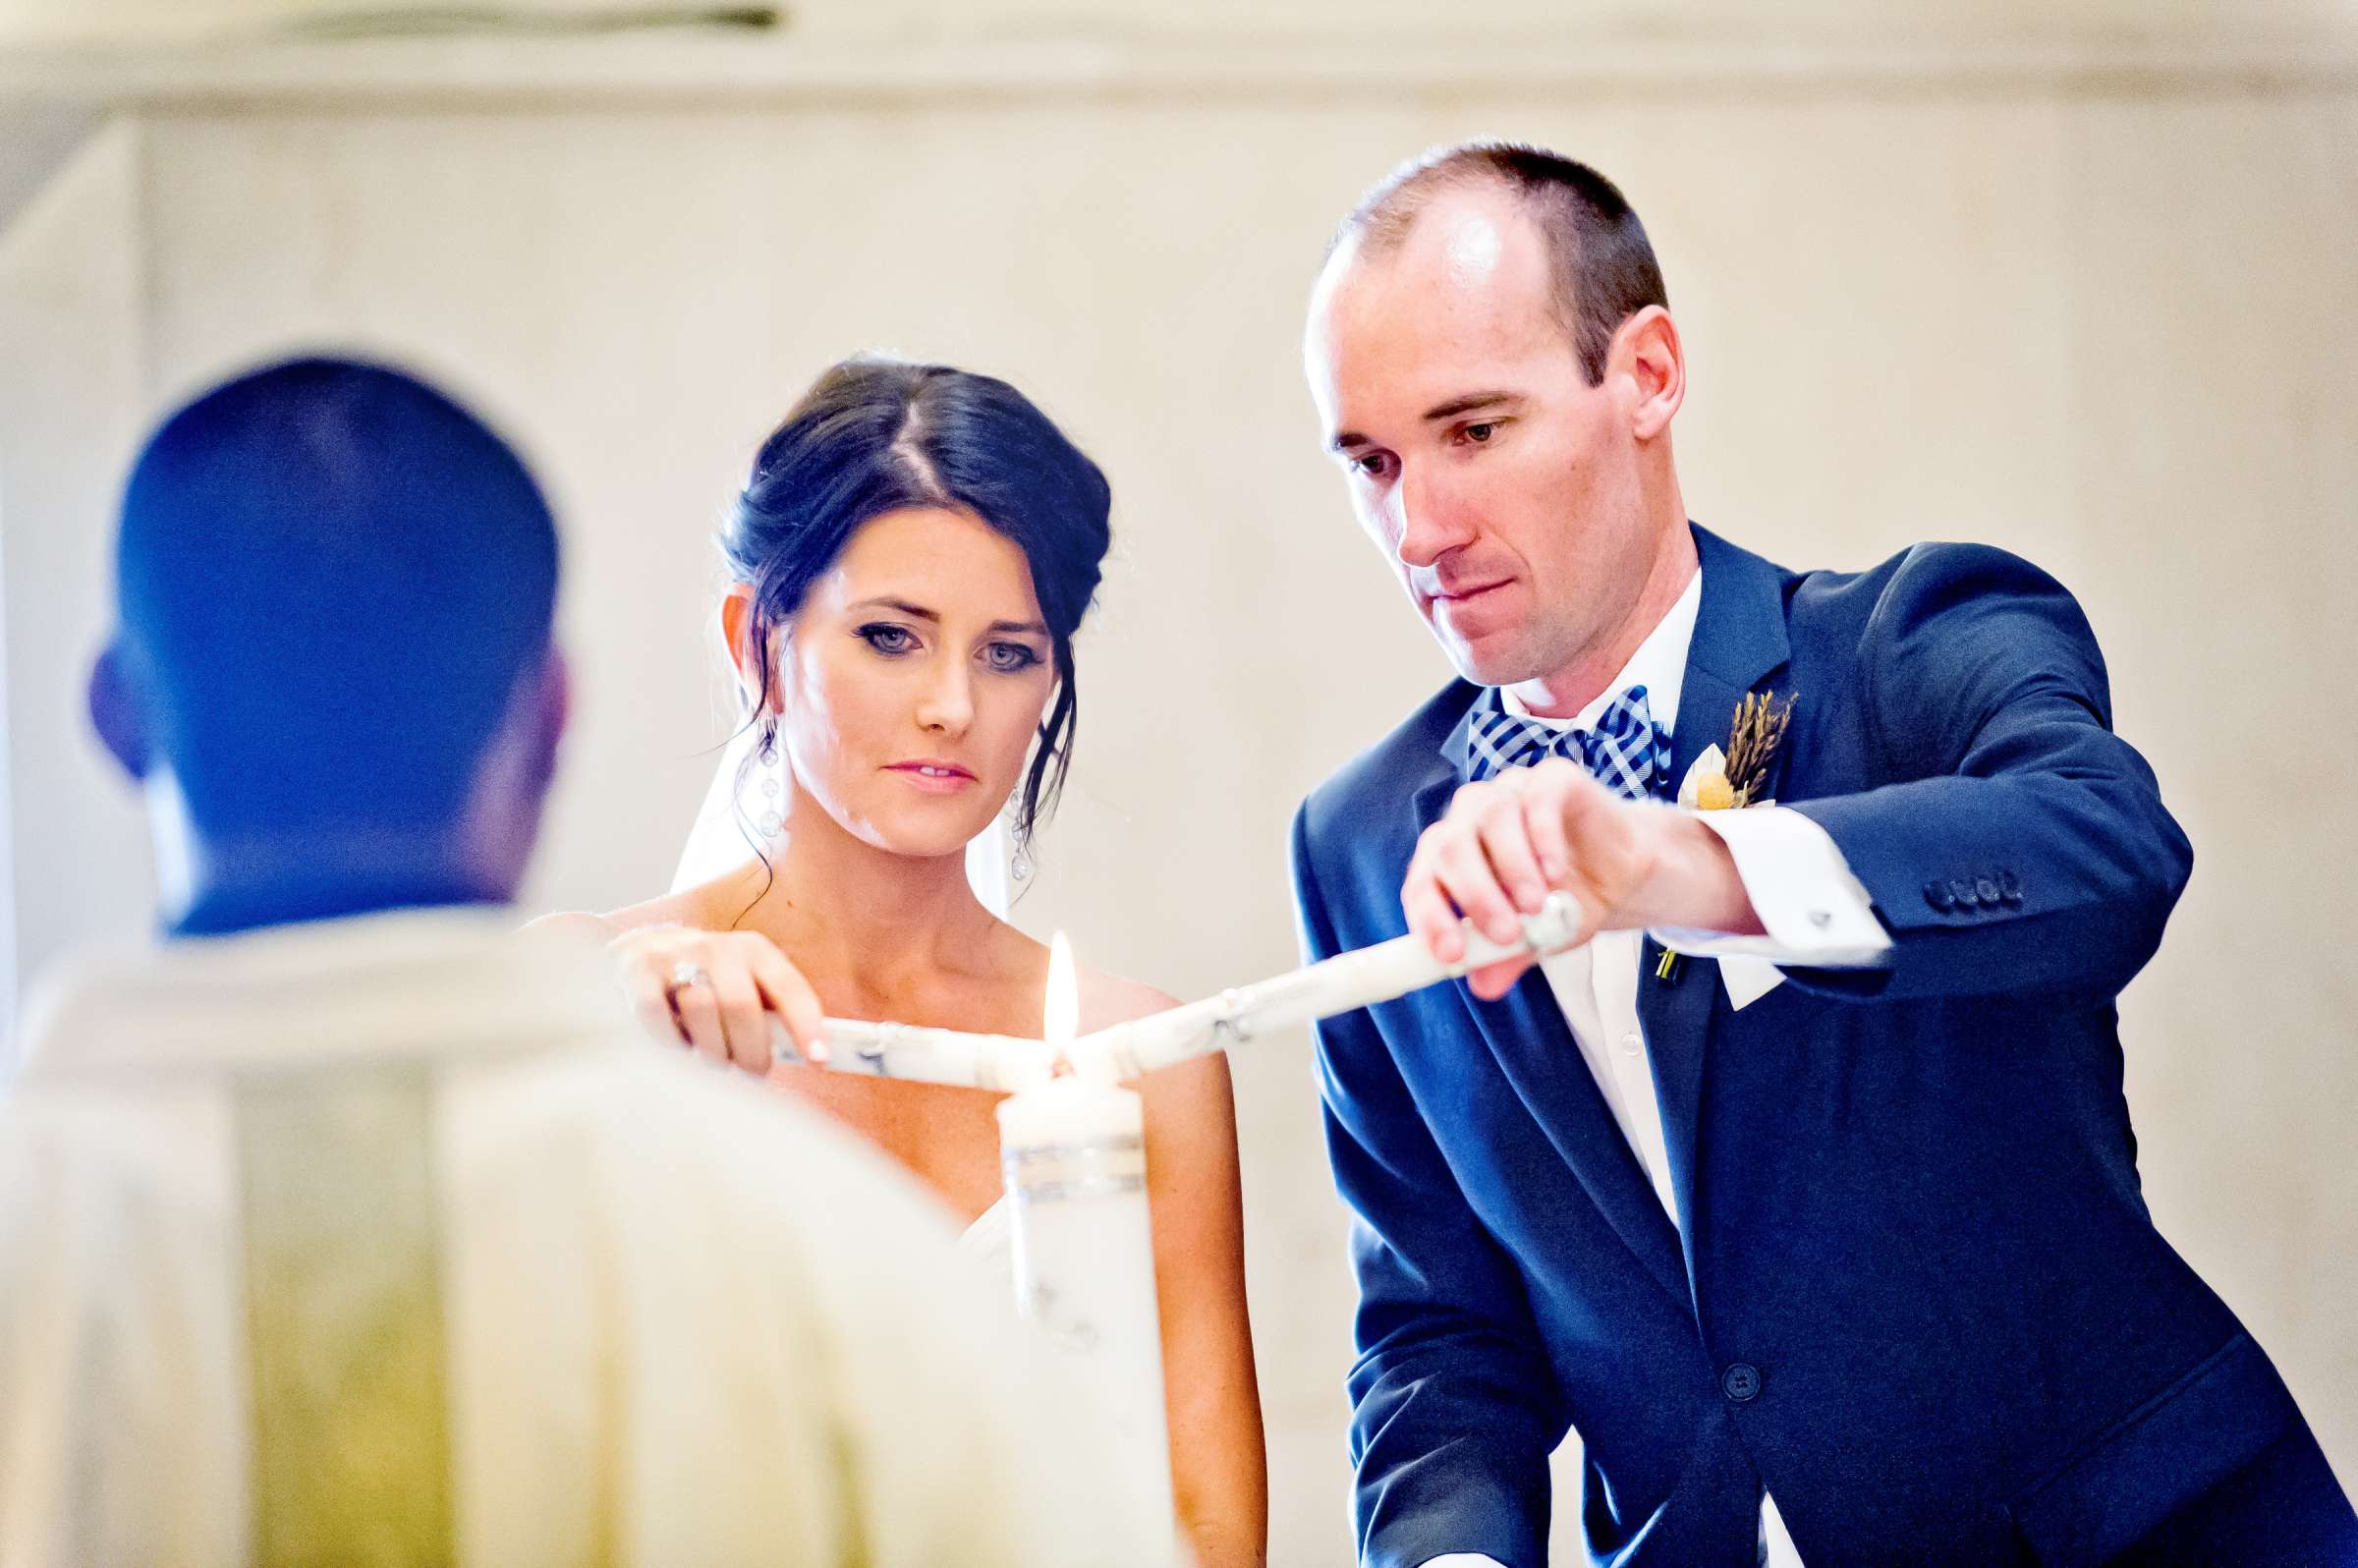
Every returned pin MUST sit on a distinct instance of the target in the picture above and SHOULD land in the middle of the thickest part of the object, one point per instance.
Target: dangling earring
(772, 820)
(1019, 867)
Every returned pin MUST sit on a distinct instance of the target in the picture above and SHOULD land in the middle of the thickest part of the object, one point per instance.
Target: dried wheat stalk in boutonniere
(1738, 776)
(1752, 741)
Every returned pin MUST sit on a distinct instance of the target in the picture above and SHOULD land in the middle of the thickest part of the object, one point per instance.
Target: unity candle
(1074, 1153)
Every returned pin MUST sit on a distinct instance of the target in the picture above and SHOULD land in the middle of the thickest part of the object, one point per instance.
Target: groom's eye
(886, 637)
(1370, 465)
(1478, 433)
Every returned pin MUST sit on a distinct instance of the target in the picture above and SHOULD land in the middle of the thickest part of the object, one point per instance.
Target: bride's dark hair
(876, 435)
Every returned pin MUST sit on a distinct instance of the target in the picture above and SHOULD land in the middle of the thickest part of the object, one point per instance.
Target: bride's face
(911, 681)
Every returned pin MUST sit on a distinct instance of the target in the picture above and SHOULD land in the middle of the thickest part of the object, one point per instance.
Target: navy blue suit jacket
(1914, 1290)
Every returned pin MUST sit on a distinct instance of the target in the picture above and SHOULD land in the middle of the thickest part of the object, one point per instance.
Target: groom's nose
(1431, 522)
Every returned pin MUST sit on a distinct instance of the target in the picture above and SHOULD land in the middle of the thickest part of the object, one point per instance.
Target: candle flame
(1060, 1013)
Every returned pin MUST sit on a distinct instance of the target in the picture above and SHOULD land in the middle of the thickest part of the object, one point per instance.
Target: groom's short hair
(332, 579)
(1604, 267)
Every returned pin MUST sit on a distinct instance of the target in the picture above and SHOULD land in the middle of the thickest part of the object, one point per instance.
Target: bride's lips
(934, 777)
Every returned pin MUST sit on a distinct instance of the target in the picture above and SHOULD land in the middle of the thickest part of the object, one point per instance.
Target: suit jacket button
(2009, 887)
(1936, 894)
(1741, 1382)
(1987, 888)
(1961, 889)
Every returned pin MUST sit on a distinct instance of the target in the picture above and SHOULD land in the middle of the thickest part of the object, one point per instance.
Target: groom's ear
(754, 677)
(118, 713)
(1646, 355)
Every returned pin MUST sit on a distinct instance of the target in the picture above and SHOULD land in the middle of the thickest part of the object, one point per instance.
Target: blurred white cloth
(683, 1320)
(991, 1243)
(729, 825)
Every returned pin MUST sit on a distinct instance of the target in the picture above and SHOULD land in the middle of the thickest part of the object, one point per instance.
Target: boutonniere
(1736, 776)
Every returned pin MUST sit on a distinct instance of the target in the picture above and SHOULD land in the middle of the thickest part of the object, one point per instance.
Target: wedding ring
(685, 973)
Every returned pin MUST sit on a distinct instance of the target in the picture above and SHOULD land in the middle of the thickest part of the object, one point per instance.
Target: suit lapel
(1525, 1031)
(1739, 644)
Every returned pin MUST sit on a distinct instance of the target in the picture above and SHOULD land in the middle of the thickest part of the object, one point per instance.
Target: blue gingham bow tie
(1626, 750)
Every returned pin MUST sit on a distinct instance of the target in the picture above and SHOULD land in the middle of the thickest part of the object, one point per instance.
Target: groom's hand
(1505, 844)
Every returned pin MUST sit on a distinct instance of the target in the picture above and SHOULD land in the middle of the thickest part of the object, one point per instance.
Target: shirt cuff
(1461, 1559)
(1816, 914)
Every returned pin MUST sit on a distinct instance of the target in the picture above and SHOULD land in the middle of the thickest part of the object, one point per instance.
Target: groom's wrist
(1695, 884)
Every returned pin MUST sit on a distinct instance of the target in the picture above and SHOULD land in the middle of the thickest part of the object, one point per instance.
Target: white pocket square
(1748, 979)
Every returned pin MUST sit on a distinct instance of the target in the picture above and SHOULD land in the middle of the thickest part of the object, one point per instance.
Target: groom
(1820, 1222)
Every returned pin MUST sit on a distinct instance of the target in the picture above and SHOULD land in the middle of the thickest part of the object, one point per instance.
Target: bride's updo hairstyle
(876, 435)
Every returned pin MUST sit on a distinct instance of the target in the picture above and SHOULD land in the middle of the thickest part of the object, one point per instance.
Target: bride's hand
(717, 992)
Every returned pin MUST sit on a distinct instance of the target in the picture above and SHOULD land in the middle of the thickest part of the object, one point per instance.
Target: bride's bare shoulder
(573, 923)
(703, 907)
(1109, 999)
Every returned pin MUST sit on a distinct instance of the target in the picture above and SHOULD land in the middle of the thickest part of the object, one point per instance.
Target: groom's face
(1501, 487)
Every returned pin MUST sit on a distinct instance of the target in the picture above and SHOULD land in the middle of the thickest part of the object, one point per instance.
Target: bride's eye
(1009, 658)
(887, 639)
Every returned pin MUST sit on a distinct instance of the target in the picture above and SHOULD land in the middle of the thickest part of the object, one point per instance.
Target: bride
(910, 561)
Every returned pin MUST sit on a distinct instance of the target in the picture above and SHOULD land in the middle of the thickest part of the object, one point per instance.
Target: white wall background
(900, 20)
(2107, 322)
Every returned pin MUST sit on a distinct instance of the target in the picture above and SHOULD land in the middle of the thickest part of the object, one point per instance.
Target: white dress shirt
(675, 1317)
(1812, 909)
